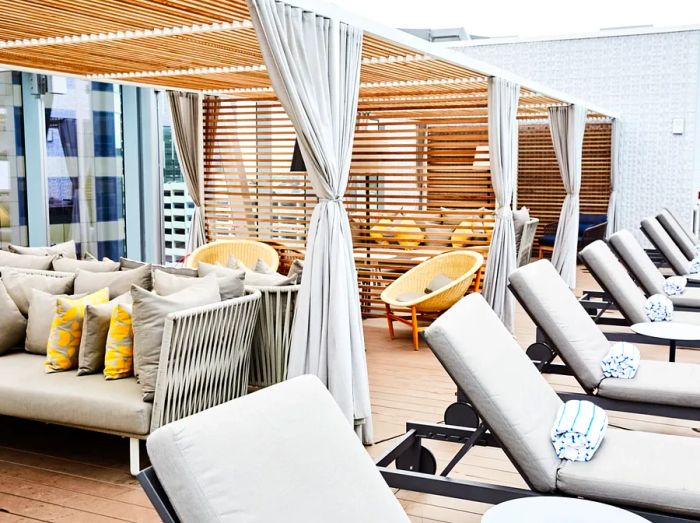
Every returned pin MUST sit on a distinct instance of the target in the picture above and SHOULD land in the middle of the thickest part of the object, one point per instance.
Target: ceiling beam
(126, 35)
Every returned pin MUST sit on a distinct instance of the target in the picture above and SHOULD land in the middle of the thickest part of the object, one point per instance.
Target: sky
(526, 17)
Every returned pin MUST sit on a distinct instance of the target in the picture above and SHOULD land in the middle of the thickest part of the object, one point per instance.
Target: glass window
(85, 165)
(177, 206)
(13, 195)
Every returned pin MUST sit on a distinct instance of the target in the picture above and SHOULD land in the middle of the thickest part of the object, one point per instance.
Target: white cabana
(614, 202)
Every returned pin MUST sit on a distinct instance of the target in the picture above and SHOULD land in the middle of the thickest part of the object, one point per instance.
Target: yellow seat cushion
(408, 234)
(66, 330)
(119, 351)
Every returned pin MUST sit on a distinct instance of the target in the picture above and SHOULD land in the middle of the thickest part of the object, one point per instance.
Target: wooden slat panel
(407, 164)
(539, 181)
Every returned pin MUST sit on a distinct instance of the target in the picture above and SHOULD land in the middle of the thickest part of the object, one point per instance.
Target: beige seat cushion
(677, 234)
(283, 454)
(553, 306)
(20, 286)
(25, 261)
(615, 280)
(13, 324)
(65, 249)
(658, 382)
(68, 265)
(641, 469)
(517, 403)
(26, 391)
(662, 241)
(150, 312)
(118, 282)
(637, 260)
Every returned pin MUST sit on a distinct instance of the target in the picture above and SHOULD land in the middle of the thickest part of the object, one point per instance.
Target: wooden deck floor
(50, 473)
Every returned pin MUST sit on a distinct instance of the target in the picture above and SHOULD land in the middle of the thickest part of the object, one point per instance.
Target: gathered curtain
(613, 203)
(186, 117)
(567, 125)
(314, 66)
(503, 97)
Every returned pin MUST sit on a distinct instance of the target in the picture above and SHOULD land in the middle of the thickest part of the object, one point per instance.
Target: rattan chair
(247, 252)
(464, 267)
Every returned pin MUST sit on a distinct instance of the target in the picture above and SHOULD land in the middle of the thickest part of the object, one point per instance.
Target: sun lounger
(285, 453)
(659, 388)
(683, 238)
(642, 268)
(650, 474)
(658, 236)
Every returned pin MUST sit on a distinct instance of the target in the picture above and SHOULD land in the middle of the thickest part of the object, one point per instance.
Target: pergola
(422, 119)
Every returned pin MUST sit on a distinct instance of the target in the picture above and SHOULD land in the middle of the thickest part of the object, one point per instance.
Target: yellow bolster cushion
(408, 234)
(381, 232)
(119, 351)
(66, 330)
(464, 232)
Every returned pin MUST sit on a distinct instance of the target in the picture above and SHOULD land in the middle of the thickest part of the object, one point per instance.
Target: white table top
(668, 330)
(554, 509)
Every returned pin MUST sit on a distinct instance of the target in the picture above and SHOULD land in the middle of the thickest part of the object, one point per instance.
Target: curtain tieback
(504, 212)
(338, 199)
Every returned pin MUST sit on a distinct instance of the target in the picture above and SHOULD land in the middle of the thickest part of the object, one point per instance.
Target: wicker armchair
(462, 266)
(246, 251)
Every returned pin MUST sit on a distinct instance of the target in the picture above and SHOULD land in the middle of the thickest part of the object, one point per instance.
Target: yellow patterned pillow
(119, 352)
(66, 330)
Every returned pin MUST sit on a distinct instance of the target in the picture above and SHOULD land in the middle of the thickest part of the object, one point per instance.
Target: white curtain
(613, 203)
(314, 67)
(567, 125)
(186, 117)
(503, 98)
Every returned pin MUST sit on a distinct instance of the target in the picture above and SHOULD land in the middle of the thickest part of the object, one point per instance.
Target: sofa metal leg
(134, 456)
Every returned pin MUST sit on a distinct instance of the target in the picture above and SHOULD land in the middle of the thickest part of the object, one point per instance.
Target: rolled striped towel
(675, 285)
(621, 362)
(658, 308)
(578, 430)
(694, 266)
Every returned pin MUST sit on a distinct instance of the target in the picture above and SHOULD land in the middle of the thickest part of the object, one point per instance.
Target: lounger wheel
(462, 414)
(417, 459)
(540, 354)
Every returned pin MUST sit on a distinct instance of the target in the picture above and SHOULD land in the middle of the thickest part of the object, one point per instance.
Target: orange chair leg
(389, 321)
(414, 322)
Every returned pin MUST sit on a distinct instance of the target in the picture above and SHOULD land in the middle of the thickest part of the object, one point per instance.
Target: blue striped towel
(578, 430)
(658, 308)
(621, 362)
(694, 266)
(675, 285)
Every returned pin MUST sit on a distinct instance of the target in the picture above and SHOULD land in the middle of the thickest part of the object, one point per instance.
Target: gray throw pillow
(260, 279)
(520, 218)
(230, 280)
(13, 324)
(148, 322)
(262, 267)
(126, 264)
(65, 249)
(438, 282)
(409, 296)
(25, 261)
(20, 285)
(118, 282)
(42, 310)
(68, 265)
(296, 269)
(91, 355)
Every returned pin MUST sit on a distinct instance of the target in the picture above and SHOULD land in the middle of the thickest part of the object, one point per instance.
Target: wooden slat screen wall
(539, 181)
(408, 164)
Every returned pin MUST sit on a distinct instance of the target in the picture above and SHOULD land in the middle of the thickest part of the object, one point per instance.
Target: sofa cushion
(26, 391)
(118, 282)
(548, 239)
(20, 286)
(42, 309)
(65, 249)
(126, 264)
(25, 261)
(150, 312)
(68, 265)
(218, 463)
(13, 324)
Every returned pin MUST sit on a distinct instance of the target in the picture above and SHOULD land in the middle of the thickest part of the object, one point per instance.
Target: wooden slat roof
(209, 45)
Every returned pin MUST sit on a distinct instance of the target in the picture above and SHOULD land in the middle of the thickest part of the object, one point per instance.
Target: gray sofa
(204, 361)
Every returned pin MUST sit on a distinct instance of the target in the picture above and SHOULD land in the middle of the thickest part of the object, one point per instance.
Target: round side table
(673, 331)
(556, 509)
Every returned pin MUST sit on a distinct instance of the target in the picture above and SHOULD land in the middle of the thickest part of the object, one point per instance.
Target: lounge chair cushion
(65, 249)
(489, 366)
(677, 234)
(555, 309)
(660, 238)
(613, 277)
(658, 382)
(637, 260)
(642, 469)
(25, 261)
(285, 453)
(26, 391)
